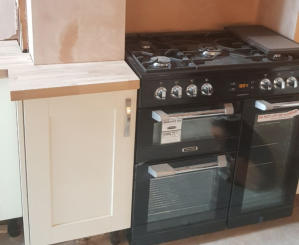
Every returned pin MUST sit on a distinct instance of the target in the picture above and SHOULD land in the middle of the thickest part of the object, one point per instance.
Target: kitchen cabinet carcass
(10, 192)
(79, 164)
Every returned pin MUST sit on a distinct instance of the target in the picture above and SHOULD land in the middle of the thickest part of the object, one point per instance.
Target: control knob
(192, 91)
(207, 89)
(292, 82)
(160, 93)
(176, 92)
(266, 84)
(279, 83)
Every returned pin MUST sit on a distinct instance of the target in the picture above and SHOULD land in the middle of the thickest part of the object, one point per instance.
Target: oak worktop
(11, 57)
(29, 81)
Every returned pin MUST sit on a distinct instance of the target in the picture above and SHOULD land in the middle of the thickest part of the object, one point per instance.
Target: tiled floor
(279, 232)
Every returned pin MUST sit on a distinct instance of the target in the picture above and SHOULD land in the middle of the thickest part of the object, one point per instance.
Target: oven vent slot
(181, 195)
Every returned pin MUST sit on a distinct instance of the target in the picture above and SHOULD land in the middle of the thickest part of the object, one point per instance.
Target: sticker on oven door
(171, 124)
(172, 136)
(171, 130)
(278, 116)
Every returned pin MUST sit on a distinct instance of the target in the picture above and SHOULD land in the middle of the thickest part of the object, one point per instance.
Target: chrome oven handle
(128, 111)
(267, 106)
(164, 169)
(160, 116)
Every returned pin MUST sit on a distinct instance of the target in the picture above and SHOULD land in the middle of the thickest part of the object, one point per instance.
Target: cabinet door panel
(77, 154)
(79, 165)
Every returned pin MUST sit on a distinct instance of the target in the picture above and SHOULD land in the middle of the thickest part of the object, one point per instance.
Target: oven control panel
(279, 83)
(209, 88)
(192, 91)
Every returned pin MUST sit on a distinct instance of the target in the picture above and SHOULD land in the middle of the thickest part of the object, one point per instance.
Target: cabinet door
(79, 160)
(10, 192)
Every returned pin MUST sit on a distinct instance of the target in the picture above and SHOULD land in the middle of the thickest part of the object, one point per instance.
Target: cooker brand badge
(190, 149)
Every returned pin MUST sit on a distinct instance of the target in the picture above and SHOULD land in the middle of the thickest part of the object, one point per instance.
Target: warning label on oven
(173, 136)
(171, 131)
(278, 116)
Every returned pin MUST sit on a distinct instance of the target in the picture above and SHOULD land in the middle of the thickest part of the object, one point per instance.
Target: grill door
(169, 133)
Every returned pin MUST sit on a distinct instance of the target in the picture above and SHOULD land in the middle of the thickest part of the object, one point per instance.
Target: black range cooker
(217, 130)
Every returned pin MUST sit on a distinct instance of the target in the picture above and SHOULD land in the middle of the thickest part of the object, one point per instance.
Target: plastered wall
(176, 15)
(68, 31)
(8, 23)
(280, 15)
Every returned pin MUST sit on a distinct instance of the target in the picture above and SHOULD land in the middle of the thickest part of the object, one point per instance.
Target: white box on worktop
(72, 31)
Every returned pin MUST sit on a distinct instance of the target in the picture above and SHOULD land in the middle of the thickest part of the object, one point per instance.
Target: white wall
(8, 20)
(180, 15)
(280, 15)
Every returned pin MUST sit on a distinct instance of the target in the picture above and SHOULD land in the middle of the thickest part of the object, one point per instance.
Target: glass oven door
(179, 132)
(266, 176)
(181, 193)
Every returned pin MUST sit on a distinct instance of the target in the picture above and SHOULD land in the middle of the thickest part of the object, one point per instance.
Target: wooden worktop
(11, 57)
(28, 81)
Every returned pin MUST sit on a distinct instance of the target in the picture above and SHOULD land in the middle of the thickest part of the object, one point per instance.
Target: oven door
(179, 132)
(266, 176)
(170, 197)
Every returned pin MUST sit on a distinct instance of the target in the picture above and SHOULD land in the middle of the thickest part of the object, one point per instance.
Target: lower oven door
(173, 195)
(266, 176)
(179, 132)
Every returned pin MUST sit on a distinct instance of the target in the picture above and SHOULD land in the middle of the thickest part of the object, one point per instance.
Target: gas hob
(192, 51)
(180, 68)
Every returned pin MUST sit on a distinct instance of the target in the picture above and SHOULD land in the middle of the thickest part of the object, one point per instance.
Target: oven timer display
(243, 85)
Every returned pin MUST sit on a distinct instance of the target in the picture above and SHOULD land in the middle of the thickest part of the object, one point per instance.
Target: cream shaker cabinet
(79, 153)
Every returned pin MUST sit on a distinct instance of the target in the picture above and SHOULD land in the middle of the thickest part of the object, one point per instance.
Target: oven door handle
(160, 116)
(267, 106)
(164, 169)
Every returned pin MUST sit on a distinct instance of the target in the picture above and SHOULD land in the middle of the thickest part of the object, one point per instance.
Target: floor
(279, 232)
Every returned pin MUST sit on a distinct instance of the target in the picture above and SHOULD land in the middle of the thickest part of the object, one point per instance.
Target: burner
(164, 60)
(160, 61)
(145, 45)
(211, 52)
(280, 57)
